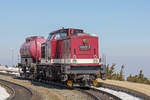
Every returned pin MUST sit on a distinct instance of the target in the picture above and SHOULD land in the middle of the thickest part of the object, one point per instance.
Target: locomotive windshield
(60, 35)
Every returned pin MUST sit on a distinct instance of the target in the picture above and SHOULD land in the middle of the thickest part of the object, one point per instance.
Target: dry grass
(134, 86)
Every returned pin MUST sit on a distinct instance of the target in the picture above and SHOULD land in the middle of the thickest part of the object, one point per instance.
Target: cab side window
(57, 36)
(62, 35)
(50, 37)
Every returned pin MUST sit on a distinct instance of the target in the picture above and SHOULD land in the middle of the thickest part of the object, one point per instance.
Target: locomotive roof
(77, 35)
(72, 33)
(67, 30)
(83, 34)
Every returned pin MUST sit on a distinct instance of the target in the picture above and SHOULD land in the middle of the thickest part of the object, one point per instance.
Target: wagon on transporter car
(70, 56)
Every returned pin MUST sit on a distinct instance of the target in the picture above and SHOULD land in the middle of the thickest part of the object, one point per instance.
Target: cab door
(48, 47)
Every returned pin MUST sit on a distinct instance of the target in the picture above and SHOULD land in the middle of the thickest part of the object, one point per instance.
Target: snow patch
(3, 93)
(3, 71)
(121, 95)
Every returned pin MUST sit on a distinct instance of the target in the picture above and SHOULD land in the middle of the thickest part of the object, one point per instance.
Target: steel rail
(89, 94)
(117, 88)
(12, 88)
(109, 94)
(12, 95)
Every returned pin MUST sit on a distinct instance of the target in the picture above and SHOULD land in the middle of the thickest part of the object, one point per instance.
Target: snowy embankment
(3, 93)
(120, 94)
(10, 70)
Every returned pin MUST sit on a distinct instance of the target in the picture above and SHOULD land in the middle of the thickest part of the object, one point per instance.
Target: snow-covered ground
(13, 73)
(10, 70)
(3, 93)
(122, 95)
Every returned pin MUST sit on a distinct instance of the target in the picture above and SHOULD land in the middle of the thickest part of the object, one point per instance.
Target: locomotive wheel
(95, 83)
(69, 83)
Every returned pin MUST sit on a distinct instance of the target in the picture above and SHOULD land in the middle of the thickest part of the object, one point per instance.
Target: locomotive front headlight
(74, 59)
(95, 61)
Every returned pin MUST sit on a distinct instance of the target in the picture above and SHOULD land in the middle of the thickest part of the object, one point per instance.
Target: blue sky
(122, 26)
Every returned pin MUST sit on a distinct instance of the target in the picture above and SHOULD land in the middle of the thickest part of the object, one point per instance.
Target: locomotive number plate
(83, 47)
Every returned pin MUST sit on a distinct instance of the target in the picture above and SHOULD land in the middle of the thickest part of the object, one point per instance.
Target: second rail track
(19, 92)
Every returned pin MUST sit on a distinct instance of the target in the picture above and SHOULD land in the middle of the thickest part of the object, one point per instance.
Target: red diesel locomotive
(68, 55)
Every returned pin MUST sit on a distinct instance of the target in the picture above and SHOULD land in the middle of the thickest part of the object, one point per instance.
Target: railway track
(92, 93)
(10, 90)
(98, 95)
(18, 92)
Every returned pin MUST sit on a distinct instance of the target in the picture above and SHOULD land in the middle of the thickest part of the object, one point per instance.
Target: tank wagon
(30, 52)
(69, 56)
